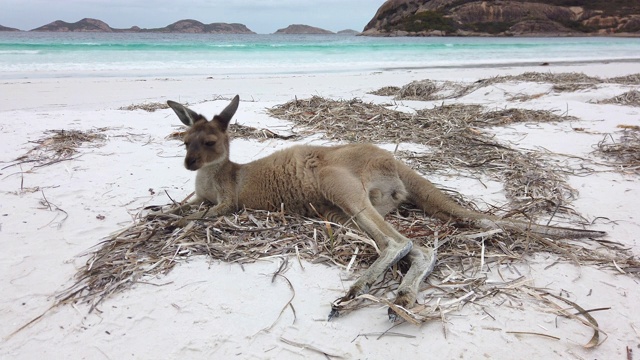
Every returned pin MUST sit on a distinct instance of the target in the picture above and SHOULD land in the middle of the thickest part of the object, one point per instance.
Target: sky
(261, 16)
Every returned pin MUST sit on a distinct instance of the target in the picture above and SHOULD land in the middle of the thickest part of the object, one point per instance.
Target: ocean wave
(19, 52)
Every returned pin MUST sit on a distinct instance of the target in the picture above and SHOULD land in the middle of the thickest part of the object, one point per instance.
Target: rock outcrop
(302, 29)
(504, 17)
(182, 26)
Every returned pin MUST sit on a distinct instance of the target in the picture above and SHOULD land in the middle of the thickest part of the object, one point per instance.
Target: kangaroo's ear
(225, 116)
(186, 115)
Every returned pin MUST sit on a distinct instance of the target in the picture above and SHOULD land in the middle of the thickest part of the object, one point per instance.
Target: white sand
(210, 310)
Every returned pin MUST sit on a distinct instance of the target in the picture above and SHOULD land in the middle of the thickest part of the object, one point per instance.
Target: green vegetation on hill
(488, 27)
(428, 20)
(608, 7)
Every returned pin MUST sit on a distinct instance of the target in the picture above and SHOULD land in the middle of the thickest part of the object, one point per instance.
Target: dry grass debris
(427, 90)
(629, 98)
(239, 131)
(633, 79)
(549, 77)
(622, 153)
(61, 145)
(386, 91)
(148, 107)
(155, 244)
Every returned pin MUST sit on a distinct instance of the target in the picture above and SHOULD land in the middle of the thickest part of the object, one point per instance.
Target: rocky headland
(505, 18)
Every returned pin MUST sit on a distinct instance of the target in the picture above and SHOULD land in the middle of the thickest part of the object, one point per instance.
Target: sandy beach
(52, 214)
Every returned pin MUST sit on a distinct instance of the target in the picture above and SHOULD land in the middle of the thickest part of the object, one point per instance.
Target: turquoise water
(32, 55)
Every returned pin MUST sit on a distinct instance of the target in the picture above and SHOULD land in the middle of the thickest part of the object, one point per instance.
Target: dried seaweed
(239, 131)
(386, 91)
(154, 245)
(633, 79)
(549, 77)
(622, 153)
(148, 107)
(61, 145)
(562, 82)
(629, 98)
(419, 90)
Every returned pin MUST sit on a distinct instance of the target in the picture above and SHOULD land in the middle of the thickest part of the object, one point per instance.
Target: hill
(348, 32)
(196, 27)
(505, 18)
(302, 29)
(4, 28)
(84, 25)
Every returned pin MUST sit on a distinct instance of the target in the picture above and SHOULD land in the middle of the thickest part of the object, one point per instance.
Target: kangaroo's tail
(425, 195)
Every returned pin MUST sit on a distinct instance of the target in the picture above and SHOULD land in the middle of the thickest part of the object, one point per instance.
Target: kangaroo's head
(207, 142)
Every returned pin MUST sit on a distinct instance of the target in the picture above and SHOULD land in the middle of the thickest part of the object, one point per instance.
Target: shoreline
(161, 73)
(41, 94)
(524, 64)
(206, 308)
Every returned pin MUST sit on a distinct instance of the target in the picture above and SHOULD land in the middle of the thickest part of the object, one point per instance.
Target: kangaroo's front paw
(182, 222)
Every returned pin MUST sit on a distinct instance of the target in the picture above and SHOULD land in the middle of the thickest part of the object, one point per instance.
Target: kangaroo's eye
(210, 143)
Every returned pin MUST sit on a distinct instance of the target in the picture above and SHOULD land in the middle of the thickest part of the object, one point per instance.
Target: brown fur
(358, 182)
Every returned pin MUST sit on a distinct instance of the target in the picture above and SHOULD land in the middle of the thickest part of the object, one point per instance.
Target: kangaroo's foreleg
(206, 212)
(175, 212)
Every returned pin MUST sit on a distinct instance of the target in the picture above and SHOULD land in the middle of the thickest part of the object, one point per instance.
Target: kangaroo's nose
(190, 162)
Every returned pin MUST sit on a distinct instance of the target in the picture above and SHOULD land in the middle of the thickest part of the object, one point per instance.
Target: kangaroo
(357, 182)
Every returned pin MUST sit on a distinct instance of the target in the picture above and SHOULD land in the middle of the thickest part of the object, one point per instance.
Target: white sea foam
(18, 52)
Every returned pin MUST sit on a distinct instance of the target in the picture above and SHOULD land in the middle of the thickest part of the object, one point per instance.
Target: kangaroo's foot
(391, 255)
(422, 262)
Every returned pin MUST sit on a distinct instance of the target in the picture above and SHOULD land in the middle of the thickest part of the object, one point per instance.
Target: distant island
(302, 29)
(187, 26)
(4, 28)
(348, 32)
(505, 18)
(182, 26)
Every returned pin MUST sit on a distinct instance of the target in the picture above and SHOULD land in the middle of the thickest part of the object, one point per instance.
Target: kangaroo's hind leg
(346, 191)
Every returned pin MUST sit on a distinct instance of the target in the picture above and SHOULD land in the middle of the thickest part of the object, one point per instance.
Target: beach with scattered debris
(87, 274)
